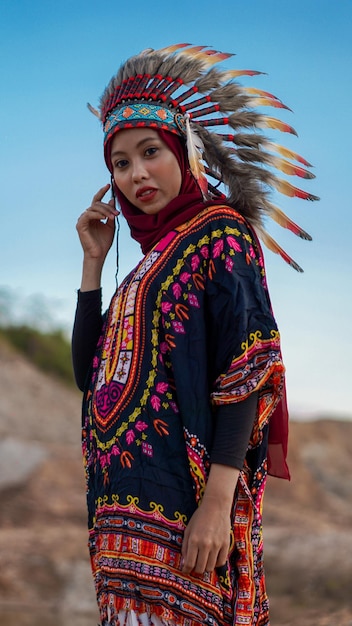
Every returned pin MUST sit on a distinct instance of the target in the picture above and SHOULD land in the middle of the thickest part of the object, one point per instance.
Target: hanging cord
(113, 197)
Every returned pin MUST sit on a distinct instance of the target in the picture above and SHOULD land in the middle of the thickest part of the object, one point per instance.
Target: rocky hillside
(44, 574)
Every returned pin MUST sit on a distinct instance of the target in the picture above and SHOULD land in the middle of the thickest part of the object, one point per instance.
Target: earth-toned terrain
(45, 576)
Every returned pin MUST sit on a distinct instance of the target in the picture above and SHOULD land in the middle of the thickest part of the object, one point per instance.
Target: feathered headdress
(160, 89)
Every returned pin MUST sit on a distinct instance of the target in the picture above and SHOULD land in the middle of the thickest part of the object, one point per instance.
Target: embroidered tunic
(189, 330)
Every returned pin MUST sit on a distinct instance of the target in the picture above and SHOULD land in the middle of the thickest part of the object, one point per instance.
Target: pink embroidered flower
(130, 436)
(195, 261)
(166, 307)
(184, 278)
(233, 243)
(178, 327)
(163, 347)
(218, 248)
(162, 387)
(204, 252)
(104, 460)
(155, 402)
(147, 449)
(229, 263)
(193, 300)
(141, 426)
(251, 252)
(177, 290)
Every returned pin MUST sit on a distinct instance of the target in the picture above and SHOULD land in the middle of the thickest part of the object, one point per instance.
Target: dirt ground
(45, 575)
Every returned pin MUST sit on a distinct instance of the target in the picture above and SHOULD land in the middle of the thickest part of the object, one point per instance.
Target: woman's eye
(122, 163)
(151, 151)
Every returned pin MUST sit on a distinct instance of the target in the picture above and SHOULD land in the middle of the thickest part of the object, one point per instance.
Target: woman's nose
(139, 171)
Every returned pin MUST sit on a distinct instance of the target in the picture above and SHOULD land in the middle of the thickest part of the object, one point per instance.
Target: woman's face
(145, 170)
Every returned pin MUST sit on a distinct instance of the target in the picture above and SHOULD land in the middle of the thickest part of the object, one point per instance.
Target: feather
(290, 169)
(193, 50)
(258, 155)
(220, 56)
(195, 149)
(210, 80)
(293, 192)
(210, 57)
(230, 97)
(173, 48)
(93, 110)
(236, 73)
(289, 154)
(259, 92)
(249, 140)
(272, 122)
(264, 102)
(272, 245)
(283, 220)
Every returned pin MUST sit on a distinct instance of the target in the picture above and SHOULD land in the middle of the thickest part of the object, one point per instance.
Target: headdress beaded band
(158, 89)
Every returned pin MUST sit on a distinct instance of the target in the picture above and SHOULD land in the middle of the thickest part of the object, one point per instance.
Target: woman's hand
(206, 540)
(207, 537)
(96, 236)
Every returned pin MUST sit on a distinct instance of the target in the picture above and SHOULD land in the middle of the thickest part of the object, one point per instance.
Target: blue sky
(56, 56)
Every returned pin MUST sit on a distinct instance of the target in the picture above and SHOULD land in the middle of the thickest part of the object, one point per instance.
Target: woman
(183, 378)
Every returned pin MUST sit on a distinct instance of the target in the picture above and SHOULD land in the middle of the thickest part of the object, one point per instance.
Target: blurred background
(55, 57)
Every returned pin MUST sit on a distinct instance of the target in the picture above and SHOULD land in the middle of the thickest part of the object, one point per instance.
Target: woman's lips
(146, 194)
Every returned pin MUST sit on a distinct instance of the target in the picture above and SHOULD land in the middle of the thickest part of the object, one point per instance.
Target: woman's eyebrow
(138, 145)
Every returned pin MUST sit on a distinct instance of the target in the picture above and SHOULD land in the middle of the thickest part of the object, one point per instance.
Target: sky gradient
(57, 56)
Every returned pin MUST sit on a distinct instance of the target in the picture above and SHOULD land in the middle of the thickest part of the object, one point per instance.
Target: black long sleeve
(234, 423)
(86, 331)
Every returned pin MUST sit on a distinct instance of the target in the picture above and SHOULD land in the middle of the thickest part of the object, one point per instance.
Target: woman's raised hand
(96, 236)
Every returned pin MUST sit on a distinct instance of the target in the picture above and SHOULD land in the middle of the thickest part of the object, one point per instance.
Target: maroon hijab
(148, 229)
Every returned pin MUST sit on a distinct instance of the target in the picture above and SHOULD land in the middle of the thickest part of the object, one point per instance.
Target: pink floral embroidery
(147, 449)
(195, 261)
(204, 252)
(155, 402)
(177, 290)
(184, 278)
(193, 300)
(105, 460)
(166, 307)
(162, 387)
(251, 252)
(218, 248)
(178, 327)
(233, 243)
(229, 263)
(141, 426)
(163, 347)
(130, 437)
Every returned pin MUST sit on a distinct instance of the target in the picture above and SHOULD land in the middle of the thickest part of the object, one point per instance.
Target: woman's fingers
(99, 210)
(101, 193)
(200, 559)
(206, 539)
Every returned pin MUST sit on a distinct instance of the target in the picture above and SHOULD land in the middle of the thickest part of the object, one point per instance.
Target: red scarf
(148, 229)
